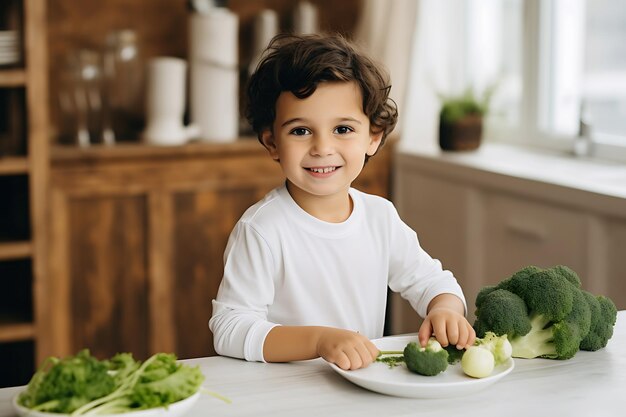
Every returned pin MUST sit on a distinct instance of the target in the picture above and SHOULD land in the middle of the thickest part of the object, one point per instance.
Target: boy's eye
(342, 130)
(300, 131)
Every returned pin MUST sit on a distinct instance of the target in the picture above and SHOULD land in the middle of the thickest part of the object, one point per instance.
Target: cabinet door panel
(202, 223)
(437, 211)
(521, 232)
(615, 286)
(108, 275)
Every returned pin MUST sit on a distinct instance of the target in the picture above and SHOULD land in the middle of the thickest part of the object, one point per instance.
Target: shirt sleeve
(239, 320)
(414, 273)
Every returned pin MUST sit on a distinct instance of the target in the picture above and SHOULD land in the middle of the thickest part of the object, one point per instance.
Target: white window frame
(541, 50)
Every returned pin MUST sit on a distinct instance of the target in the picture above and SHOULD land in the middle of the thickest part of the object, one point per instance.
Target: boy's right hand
(347, 349)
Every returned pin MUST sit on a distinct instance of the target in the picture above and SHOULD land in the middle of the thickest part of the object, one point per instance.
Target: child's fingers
(425, 331)
(463, 336)
(341, 360)
(372, 349)
(471, 335)
(439, 327)
(364, 353)
(453, 333)
(354, 357)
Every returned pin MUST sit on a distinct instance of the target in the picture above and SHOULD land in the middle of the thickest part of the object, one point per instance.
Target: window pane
(604, 79)
(496, 55)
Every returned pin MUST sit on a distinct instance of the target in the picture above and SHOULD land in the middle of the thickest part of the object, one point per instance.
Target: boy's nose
(322, 145)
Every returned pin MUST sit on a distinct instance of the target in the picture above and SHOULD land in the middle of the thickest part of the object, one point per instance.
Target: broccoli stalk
(538, 342)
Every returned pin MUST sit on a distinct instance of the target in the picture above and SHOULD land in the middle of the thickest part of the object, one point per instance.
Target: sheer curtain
(418, 41)
(386, 29)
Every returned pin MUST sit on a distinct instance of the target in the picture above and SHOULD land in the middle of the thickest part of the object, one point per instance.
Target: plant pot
(462, 135)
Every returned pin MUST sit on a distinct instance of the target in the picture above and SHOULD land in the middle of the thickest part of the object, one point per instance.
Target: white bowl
(173, 410)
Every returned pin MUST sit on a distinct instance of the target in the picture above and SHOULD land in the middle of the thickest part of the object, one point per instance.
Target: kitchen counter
(559, 168)
(586, 183)
(590, 384)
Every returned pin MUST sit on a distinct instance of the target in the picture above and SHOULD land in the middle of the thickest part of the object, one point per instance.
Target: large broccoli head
(429, 361)
(545, 314)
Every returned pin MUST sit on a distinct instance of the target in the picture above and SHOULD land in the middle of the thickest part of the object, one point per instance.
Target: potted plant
(461, 120)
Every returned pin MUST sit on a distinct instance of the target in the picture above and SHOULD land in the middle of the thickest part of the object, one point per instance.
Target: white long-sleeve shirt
(283, 266)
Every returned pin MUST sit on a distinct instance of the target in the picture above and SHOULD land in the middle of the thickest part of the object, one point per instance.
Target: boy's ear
(375, 140)
(267, 138)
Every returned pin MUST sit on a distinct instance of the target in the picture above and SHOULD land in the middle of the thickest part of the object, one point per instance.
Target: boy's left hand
(446, 323)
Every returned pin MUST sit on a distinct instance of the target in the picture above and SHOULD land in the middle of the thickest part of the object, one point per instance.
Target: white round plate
(173, 410)
(400, 382)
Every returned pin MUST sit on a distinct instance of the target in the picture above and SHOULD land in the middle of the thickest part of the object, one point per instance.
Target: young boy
(307, 268)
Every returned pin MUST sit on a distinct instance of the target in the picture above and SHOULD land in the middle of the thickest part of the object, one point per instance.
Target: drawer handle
(526, 231)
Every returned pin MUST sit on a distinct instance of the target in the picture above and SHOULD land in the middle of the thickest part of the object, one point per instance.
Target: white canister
(165, 102)
(214, 74)
(305, 18)
(265, 28)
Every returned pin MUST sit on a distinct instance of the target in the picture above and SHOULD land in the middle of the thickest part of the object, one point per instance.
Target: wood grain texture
(160, 254)
(54, 305)
(38, 122)
(108, 274)
(203, 222)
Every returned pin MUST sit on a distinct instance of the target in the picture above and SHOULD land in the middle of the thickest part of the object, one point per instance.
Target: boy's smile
(321, 142)
(322, 172)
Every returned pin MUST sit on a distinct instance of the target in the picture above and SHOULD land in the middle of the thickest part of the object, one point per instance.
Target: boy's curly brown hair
(298, 63)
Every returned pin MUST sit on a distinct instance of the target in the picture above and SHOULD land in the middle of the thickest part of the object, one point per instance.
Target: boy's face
(321, 142)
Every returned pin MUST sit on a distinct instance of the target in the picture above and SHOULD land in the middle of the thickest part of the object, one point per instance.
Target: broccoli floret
(502, 312)
(545, 313)
(483, 293)
(603, 317)
(429, 361)
(454, 354)
(568, 274)
(545, 292)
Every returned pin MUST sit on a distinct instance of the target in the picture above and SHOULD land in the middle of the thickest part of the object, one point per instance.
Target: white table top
(590, 384)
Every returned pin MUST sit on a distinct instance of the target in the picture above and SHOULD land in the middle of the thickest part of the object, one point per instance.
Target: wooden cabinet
(138, 235)
(23, 179)
(484, 226)
(517, 232)
(608, 238)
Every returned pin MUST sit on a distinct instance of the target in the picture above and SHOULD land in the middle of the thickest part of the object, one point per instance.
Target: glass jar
(83, 111)
(124, 81)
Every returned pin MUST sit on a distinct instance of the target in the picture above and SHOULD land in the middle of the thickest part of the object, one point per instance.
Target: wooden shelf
(15, 250)
(130, 151)
(13, 165)
(12, 78)
(16, 330)
(24, 305)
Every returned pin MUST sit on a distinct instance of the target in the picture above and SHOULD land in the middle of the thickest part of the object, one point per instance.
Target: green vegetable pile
(83, 385)
(477, 361)
(545, 313)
